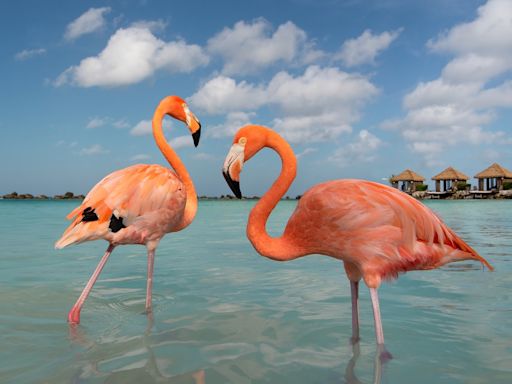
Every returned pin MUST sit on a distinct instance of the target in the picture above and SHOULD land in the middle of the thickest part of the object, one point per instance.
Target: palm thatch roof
(407, 175)
(450, 173)
(494, 170)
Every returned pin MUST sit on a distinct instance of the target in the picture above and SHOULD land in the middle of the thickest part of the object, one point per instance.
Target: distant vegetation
(462, 186)
(71, 195)
(25, 196)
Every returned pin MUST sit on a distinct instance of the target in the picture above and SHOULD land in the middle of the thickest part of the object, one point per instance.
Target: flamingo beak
(234, 185)
(197, 135)
(232, 168)
(193, 124)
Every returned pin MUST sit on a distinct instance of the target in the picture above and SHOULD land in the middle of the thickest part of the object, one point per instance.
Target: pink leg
(149, 286)
(376, 314)
(354, 290)
(382, 352)
(74, 313)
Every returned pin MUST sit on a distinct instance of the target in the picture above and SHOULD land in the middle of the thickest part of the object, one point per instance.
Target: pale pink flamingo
(137, 204)
(377, 231)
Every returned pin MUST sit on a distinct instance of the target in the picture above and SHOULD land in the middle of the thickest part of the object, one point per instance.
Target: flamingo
(377, 231)
(138, 204)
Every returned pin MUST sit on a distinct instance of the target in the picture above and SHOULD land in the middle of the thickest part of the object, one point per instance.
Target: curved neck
(278, 248)
(177, 165)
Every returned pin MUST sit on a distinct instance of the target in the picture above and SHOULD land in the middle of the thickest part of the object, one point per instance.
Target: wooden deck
(481, 194)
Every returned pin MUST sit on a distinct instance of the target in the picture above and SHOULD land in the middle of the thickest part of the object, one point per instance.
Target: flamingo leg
(379, 334)
(74, 313)
(149, 286)
(383, 354)
(354, 291)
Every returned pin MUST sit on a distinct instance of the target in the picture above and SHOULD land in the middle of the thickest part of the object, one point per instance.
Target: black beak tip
(196, 136)
(233, 185)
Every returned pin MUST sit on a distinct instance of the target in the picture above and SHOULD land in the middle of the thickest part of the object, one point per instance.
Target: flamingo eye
(242, 141)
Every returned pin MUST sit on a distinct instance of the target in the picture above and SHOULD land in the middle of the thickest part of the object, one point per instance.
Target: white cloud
(234, 121)
(133, 54)
(140, 157)
(96, 122)
(249, 47)
(182, 142)
(364, 49)
(144, 127)
(363, 149)
(318, 105)
(95, 149)
(88, 22)
(305, 152)
(122, 123)
(456, 107)
(489, 34)
(29, 53)
(222, 94)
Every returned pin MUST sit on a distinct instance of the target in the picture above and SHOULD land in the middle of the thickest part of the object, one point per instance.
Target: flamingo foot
(384, 354)
(74, 316)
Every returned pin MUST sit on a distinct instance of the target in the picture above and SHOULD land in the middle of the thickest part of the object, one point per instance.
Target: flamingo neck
(178, 166)
(277, 248)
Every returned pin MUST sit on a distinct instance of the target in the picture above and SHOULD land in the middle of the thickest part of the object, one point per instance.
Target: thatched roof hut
(407, 175)
(494, 176)
(410, 180)
(450, 177)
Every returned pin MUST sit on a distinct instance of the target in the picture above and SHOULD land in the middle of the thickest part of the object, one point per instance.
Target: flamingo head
(176, 107)
(246, 143)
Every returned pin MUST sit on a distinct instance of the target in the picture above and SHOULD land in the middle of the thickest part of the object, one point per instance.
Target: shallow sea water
(224, 314)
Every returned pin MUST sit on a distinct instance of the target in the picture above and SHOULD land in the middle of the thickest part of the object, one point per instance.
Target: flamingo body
(375, 229)
(147, 200)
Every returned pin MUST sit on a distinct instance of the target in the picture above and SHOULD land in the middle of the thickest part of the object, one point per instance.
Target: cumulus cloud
(249, 47)
(456, 107)
(364, 49)
(88, 22)
(133, 54)
(363, 149)
(29, 53)
(233, 121)
(181, 142)
(95, 149)
(222, 94)
(318, 105)
(144, 127)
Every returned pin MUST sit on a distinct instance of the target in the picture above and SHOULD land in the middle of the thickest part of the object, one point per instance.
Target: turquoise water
(223, 314)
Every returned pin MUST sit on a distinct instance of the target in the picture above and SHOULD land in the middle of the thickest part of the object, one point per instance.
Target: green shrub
(507, 185)
(462, 185)
(421, 187)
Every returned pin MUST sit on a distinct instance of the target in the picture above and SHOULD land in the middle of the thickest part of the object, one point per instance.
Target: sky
(360, 89)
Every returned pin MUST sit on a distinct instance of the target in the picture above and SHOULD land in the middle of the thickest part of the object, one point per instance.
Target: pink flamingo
(137, 204)
(377, 231)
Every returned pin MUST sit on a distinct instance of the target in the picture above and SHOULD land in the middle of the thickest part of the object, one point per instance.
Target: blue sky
(361, 89)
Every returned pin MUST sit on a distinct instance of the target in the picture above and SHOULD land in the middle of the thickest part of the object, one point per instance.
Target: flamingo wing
(120, 199)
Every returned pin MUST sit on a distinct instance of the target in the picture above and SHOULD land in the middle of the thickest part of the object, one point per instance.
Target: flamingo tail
(467, 253)
(78, 232)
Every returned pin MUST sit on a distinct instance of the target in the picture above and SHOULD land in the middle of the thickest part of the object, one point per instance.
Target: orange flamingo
(137, 204)
(377, 231)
